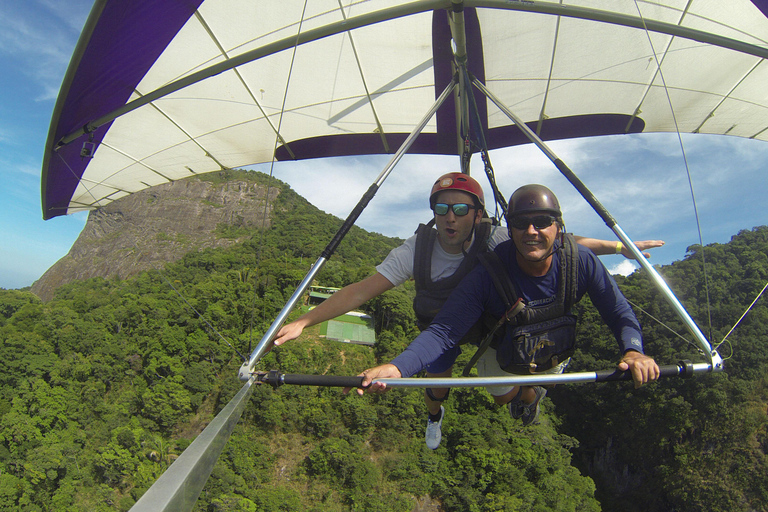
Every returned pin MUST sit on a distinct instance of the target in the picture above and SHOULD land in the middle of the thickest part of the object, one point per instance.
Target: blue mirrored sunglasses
(459, 209)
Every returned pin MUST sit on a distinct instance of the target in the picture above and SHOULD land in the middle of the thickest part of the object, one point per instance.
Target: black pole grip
(340, 381)
(350, 221)
(683, 369)
(276, 378)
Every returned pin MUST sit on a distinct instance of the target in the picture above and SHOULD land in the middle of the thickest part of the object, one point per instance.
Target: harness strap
(571, 269)
(431, 295)
(422, 262)
(508, 316)
(500, 278)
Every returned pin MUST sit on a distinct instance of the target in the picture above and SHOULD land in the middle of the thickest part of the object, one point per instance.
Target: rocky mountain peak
(159, 225)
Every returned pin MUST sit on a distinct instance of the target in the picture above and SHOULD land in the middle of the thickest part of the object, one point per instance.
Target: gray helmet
(533, 198)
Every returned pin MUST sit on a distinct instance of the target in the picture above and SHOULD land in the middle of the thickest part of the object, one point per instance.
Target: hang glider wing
(160, 91)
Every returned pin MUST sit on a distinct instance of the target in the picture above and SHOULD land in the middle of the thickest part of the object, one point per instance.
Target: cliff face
(153, 227)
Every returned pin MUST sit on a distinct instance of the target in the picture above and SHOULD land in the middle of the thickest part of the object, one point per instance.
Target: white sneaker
(434, 435)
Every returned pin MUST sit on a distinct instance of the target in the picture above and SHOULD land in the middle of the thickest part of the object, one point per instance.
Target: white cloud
(640, 179)
(335, 185)
(72, 13)
(39, 37)
(28, 170)
(623, 268)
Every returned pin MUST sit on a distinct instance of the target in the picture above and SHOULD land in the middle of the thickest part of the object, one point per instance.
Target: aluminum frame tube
(459, 42)
(181, 484)
(275, 378)
(714, 357)
(263, 347)
(247, 368)
(544, 379)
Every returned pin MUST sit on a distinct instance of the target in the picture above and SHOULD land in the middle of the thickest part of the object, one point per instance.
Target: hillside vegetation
(102, 387)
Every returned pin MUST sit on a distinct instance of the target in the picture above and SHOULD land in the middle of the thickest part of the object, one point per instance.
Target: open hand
(642, 245)
(288, 332)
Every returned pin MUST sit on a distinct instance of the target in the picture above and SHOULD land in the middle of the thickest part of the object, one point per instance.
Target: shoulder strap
(571, 270)
(500, 278)
(422, 256)
(513, 305)
(483, 234)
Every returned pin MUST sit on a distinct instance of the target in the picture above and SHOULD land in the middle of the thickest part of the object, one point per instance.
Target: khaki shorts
(487, 366)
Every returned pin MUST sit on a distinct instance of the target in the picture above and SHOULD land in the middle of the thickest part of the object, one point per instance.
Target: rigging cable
(661, 322)
(685, 159)
(742, 316)
(85, 186)
(278, 138)
(482, 144)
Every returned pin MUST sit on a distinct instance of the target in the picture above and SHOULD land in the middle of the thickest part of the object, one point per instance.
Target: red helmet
(457, 181)
(533, 198)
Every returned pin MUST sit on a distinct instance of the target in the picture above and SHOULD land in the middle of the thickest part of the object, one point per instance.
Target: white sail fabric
(584, 67)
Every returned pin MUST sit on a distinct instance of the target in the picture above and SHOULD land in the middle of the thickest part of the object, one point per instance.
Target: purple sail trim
(442, 56)
(428, 143)
(127, 39)
(762, 5)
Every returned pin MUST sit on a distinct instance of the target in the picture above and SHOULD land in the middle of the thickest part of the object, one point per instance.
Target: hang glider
(161, 91)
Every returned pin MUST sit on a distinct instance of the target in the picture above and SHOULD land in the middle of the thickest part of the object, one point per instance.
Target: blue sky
(641, 179)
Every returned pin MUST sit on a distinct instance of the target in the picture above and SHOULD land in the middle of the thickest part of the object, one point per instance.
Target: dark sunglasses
(459, 209)
(539, 222)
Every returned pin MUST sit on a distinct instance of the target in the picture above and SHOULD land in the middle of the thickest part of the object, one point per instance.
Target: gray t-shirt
(397, 267)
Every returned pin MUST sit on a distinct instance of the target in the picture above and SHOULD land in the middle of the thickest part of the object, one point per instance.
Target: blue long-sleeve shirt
(476, 293)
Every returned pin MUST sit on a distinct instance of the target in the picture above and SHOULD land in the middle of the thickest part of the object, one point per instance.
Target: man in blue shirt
(532, 260)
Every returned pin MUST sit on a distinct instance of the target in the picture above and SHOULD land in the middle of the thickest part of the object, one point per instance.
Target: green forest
(105, 385)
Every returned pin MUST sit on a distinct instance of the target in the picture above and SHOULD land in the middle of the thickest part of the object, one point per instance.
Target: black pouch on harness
(534, 348)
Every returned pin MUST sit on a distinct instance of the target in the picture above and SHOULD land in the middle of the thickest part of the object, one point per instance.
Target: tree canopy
(104, 386)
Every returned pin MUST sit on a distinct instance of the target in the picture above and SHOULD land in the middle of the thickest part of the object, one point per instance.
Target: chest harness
(535, 338)
(431, 295)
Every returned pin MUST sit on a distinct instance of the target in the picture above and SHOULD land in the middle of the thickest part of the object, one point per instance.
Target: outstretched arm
(344, 300)
(603, 247)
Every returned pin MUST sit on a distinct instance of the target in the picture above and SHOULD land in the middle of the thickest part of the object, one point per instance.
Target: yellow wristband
(619, 247)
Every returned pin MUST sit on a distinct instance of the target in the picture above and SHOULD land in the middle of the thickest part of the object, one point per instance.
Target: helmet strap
(550, 253)
(552, 250)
